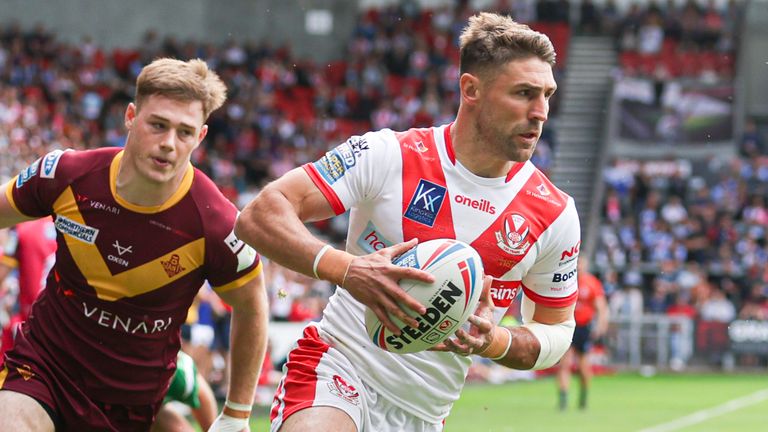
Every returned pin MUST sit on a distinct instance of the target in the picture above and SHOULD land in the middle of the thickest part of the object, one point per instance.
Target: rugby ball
(449, 300)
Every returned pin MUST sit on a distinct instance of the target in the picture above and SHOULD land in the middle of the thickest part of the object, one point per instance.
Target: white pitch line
(706, 414)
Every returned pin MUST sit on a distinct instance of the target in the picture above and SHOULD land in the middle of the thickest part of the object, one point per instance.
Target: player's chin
(520, 155)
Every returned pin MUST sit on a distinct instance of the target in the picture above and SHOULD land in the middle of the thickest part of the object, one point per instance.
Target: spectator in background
(650, 34)
(591, 315)
(189, 387)
(590, 19)
(716, 307)
(751, 144)
(679, 345)
(30, 249)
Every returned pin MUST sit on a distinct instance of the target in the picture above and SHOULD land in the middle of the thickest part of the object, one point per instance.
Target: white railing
(651, 339)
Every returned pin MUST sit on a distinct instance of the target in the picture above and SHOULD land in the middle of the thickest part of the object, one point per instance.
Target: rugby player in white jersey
(470, 180)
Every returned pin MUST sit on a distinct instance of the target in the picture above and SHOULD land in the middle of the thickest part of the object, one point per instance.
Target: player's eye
(157, 125)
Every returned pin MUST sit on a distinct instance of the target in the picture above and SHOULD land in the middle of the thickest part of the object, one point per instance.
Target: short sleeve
(355, 170)
(231, 263)
(33, 192)
(552, 280)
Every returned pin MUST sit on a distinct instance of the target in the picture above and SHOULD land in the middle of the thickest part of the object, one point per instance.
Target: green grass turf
(625, 402)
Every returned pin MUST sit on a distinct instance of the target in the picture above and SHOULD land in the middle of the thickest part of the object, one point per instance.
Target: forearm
(288, 242)
(248, 339)
(523, 350)
(206, 413)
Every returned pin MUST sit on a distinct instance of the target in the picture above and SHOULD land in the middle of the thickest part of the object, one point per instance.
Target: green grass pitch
(623, 402)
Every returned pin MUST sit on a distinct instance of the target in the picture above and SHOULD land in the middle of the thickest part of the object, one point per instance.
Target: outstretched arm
(206, 413)
(248, 335)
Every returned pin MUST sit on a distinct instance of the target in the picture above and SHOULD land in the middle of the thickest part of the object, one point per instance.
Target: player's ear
(469, 85)
(130, 115)
(203, 133)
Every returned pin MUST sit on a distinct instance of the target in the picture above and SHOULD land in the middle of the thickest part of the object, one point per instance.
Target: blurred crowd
(677, 233)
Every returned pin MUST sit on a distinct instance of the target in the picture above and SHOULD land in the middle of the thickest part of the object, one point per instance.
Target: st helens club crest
(340, 388)
(513, 236)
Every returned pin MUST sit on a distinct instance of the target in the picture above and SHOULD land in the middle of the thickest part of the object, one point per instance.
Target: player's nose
(168, 141)
(539, 109)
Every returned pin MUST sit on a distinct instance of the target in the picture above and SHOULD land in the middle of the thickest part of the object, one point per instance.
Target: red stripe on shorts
(298, 385)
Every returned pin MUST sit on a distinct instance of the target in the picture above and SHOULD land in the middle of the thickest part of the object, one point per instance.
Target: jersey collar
(186, 184)
(516, 167)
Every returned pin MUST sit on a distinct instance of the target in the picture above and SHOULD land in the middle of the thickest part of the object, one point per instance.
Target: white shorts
(317, 374)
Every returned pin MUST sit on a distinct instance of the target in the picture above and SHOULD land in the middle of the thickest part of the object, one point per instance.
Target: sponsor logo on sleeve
(233, 242)
(50, 162)
(351, 150)
(371, 239)
(513, 236)
(27, 173)
(569, 254)
(246, 255)
(331, 166)
(425, 203)
(77, 230)
(562, 277)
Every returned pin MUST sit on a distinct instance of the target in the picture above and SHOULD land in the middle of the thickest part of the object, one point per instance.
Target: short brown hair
(491, 40)
(184, 80)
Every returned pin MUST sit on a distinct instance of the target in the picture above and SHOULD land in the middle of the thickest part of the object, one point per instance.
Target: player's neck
(471, 152)
(134, 188)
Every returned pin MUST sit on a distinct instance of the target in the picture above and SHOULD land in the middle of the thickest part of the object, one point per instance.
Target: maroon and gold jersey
(124, 275)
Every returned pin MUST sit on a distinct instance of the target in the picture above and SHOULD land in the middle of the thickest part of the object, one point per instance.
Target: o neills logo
(483, 205)
(440, 305)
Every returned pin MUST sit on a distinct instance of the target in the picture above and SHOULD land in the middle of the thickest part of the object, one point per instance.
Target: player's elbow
(247, 226)
(242, 225)
(554, 341)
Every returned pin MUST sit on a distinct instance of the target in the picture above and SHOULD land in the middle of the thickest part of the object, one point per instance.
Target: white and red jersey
(31, 248)
(401, 185)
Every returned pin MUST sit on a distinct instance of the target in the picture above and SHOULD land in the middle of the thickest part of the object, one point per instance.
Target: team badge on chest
(513, 236)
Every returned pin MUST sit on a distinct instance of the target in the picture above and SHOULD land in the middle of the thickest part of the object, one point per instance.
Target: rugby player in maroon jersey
(139, 231)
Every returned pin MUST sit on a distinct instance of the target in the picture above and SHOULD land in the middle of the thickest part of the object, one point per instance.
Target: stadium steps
(581, 125)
